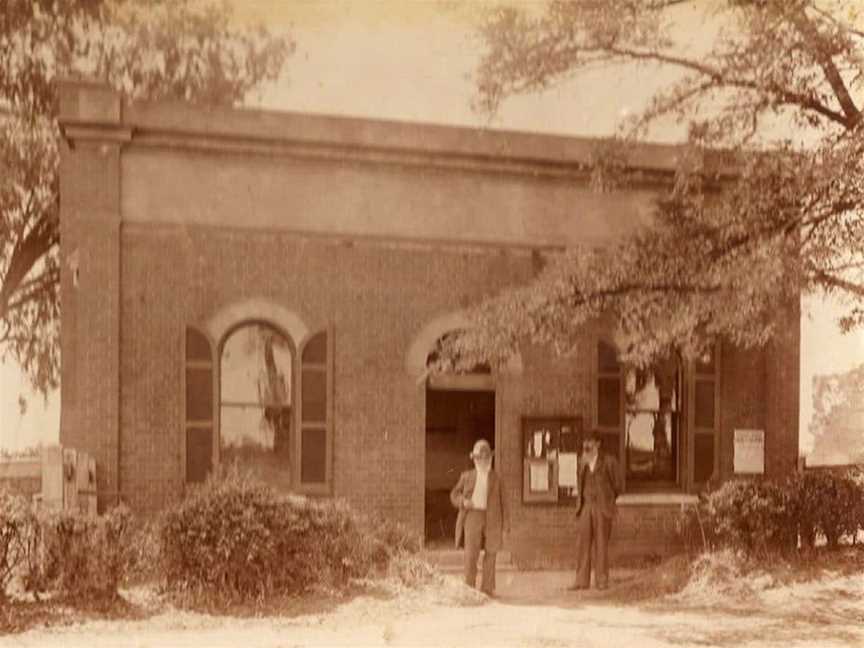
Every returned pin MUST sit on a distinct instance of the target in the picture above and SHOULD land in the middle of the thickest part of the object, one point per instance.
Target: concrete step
(451, 560)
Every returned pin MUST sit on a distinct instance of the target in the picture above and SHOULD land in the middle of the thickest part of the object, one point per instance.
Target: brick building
(268, 288)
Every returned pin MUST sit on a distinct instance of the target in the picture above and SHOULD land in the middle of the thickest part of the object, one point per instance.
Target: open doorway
(455, 419)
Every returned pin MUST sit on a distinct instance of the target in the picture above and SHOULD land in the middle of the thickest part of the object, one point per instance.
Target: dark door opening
(455, 419)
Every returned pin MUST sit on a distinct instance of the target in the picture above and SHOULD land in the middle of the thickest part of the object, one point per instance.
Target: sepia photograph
(432, 323)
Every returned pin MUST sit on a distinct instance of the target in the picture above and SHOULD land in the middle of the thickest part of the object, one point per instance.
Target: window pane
(199, 394)
(609, 402)
(607, 357)
(199, 454)
(316, 349)
(314, 398)
(703, 457)
(258, 440)
(704, 407)
(197, 346)
(256, 367)
(651, 396)
(314, 456)
(652, 446)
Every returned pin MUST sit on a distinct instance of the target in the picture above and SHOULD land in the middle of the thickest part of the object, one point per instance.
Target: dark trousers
(592, 536)
(475, 539)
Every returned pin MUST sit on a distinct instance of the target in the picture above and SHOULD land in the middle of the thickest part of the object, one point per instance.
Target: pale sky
(413, 60)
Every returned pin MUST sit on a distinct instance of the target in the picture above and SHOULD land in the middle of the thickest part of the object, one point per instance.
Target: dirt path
(533, 610)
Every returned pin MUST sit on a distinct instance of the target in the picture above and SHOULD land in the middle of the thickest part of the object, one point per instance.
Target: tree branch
(25, 255)
(720, 79)
(836, 282)
(832, 74)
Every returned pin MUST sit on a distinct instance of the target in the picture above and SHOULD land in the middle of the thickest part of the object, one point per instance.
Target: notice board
(550, 460)
(749, 452)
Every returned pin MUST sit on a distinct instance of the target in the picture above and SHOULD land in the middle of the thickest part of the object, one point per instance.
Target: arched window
(255, 412)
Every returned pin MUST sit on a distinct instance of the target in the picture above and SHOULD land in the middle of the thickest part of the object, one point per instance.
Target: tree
(726, 256)
(180, 49)
(837, 425)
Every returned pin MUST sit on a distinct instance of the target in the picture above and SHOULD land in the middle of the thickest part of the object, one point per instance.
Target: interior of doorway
(455, 420)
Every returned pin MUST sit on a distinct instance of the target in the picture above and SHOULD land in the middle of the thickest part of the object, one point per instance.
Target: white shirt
(480, 495)
(593, 462)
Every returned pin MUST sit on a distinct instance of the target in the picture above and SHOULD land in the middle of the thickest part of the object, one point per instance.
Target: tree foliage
(837, 425)
(778, 91)
(155, 49)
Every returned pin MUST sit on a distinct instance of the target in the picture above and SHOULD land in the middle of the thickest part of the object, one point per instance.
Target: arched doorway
(460, 409)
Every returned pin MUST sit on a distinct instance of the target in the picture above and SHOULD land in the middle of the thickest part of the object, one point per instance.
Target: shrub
(235, 539)
(827, 503)
(14, 529)
(761, 517)
(755, 516)
(144, 563)
(81, 556)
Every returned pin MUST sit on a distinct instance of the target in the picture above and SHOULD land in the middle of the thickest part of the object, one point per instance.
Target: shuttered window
(609, 404)
(198, 406)
(316, 434)
(704, 419)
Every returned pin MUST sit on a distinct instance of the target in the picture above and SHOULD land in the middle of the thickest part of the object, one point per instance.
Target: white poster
(750, 452)
(539, 476)
(568, 470)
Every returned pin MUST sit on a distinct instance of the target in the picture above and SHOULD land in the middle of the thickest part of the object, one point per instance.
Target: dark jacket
(497, 514)
(608, 482)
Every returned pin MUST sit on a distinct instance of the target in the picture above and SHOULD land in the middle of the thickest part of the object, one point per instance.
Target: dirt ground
(532, 609)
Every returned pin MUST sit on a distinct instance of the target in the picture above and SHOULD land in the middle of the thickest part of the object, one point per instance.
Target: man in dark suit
(599, 486)
(483, 516)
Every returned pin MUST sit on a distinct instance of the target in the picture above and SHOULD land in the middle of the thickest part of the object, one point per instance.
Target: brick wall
(637, 532)
(90, 291)
(378, 297)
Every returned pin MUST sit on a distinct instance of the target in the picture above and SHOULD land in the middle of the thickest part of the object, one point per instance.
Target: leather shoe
(577, 587)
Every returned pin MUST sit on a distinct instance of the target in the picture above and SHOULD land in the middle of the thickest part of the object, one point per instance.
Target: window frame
(690, 375)
(679, 485)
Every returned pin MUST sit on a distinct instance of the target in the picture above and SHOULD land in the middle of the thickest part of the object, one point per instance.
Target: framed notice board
(550, 471)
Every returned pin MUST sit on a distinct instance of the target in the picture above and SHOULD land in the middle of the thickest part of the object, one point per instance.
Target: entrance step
(450, 561)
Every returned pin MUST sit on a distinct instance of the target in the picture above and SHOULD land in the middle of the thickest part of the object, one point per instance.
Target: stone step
(451, 560)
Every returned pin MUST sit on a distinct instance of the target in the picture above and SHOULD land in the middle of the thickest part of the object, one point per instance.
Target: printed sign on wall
(750, 452)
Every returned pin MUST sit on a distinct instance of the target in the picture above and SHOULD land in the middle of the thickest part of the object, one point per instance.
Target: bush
(827, 503)
(235, 539)
(15, 527)
(762, 517)
(755, 516)
(83, 557)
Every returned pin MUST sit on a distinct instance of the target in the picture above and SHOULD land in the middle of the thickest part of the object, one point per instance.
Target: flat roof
(99, 108)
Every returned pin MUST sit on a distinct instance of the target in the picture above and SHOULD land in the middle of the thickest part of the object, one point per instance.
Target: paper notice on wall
(568, 470)
(750, 451)
(539, 474)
